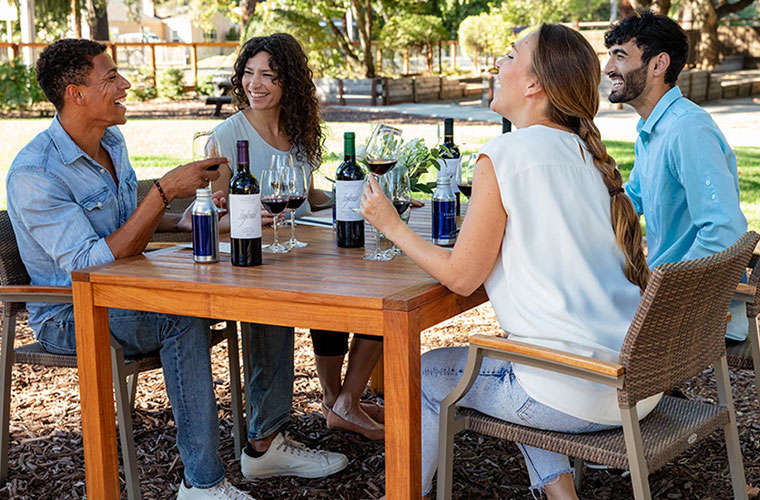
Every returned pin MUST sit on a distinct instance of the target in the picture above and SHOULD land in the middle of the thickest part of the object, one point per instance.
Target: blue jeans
(183, 344)
(497, 393)
(270, 390)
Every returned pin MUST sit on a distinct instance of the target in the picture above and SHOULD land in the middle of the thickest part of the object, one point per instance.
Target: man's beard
(634, 83)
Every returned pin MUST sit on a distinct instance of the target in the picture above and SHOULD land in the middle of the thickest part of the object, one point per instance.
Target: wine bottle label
(450, 167)
(245, 216)
(348, 196)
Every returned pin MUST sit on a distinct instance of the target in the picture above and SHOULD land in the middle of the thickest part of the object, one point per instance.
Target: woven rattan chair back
(12, 270)
(178, 206)
(680, 325)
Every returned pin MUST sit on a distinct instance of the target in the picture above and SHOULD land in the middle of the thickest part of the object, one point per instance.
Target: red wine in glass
(381, 165)
(275, 204)
(295, 201)
(401, 206)
(466, 189)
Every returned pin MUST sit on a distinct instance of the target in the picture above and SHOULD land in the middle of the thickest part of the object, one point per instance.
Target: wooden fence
(384, 91)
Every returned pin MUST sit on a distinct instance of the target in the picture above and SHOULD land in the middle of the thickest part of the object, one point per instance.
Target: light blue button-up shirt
(684, 180)
(63, 204)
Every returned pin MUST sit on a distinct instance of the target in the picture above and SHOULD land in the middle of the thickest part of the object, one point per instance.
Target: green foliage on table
(143, 84)
(18, 86)
(170, 83)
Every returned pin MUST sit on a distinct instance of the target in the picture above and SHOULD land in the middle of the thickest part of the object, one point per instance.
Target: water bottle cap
(203, 192)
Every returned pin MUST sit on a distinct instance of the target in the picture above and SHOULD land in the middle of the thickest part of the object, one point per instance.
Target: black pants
(329, 343)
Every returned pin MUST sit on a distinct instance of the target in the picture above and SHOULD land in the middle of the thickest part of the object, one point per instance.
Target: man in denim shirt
(684, 178)
(72, 201)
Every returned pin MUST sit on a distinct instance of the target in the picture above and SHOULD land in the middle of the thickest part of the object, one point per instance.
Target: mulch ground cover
(46, 460)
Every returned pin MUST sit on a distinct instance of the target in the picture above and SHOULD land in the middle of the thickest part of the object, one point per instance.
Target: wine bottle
(449, 159)
(506, 125)
(349, 184)
(245, 212)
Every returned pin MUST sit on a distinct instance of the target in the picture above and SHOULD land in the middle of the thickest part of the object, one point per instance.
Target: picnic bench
(223, 90)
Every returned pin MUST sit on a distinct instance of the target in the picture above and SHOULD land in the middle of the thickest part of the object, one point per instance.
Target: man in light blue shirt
(684, 178)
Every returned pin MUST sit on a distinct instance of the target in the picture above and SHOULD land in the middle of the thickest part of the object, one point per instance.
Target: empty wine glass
(381, 156)
(274, 197)
(399, 191)
(297, 182)
(467, 171)
(205, 145)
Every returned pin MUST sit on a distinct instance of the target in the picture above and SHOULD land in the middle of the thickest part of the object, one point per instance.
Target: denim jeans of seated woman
(183, 344)
(497, 393)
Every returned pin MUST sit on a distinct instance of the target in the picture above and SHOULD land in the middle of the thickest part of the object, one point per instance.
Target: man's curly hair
(65, 62)
(299, 114)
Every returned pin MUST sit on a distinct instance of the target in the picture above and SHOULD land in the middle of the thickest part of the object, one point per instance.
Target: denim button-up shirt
(63, 204)
(684, 180)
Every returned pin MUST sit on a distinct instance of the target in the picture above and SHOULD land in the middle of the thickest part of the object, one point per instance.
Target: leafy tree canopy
(412, 31)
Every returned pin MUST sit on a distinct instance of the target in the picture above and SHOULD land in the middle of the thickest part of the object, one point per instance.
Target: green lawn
(158, 145)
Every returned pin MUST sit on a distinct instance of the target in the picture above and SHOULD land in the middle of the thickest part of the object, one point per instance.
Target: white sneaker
(286, 457)
(222, 491)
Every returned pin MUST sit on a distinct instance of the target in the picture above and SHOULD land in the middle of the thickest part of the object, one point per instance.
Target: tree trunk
(249, 7)
(663, 6)
(76, 19)
(363, 15)
(707, 49)
(97, 20)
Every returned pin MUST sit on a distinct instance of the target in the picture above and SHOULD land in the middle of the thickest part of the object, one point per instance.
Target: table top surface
(321, 272)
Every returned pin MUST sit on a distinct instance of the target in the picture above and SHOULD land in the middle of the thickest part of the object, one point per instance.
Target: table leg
(403, 443)
(96, 394)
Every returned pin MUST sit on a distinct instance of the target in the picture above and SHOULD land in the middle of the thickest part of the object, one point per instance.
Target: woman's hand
(376, 208)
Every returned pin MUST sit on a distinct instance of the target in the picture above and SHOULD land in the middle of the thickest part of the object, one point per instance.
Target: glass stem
(274, 226)
(377, 241)
(293, 225)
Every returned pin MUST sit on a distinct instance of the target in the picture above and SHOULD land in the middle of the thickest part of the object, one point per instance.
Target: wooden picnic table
(320, 286)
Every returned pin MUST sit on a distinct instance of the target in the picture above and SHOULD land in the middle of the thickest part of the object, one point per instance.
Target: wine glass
(274, 197)
(205, 145)
(467, 171)
(381, 156)
(399, 192)
(298, 188)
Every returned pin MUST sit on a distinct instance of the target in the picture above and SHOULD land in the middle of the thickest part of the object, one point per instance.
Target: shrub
(205, 86)
(18, 86)
(143, 85)
(170, 83)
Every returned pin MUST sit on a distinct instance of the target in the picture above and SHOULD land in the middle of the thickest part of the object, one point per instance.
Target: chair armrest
(550, 356)
(34, 293)
(745, 293)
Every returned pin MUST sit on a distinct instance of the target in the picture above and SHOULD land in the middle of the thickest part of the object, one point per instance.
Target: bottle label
(444, 220)
(205, 237)
(245, 216)
(348, 196)
(450, 167)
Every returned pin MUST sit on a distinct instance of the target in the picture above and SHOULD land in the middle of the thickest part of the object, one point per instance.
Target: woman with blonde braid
(555, 240)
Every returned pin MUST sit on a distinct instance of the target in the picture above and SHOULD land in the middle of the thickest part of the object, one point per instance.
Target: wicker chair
(178, 207)
(676, 333)
(746, 355)
(15, 291)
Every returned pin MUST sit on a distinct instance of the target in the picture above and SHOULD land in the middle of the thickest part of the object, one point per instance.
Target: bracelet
(163, 196)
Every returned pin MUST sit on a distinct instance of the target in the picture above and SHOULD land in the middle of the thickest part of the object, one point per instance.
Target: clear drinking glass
(398, 188)
(467, 169)
(205, 145)
(296, 178)
(274, 197)
(381, 156)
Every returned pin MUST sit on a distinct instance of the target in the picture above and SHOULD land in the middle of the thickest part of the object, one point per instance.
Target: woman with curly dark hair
(279, 112)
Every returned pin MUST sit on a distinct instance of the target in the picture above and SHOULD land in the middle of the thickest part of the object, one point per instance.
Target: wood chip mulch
(46, 460)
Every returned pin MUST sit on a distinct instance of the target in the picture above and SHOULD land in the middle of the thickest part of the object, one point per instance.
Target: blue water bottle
(205, 228)
(444, 213)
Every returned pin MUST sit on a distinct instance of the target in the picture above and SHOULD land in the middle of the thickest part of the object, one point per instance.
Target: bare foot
(356, 420)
